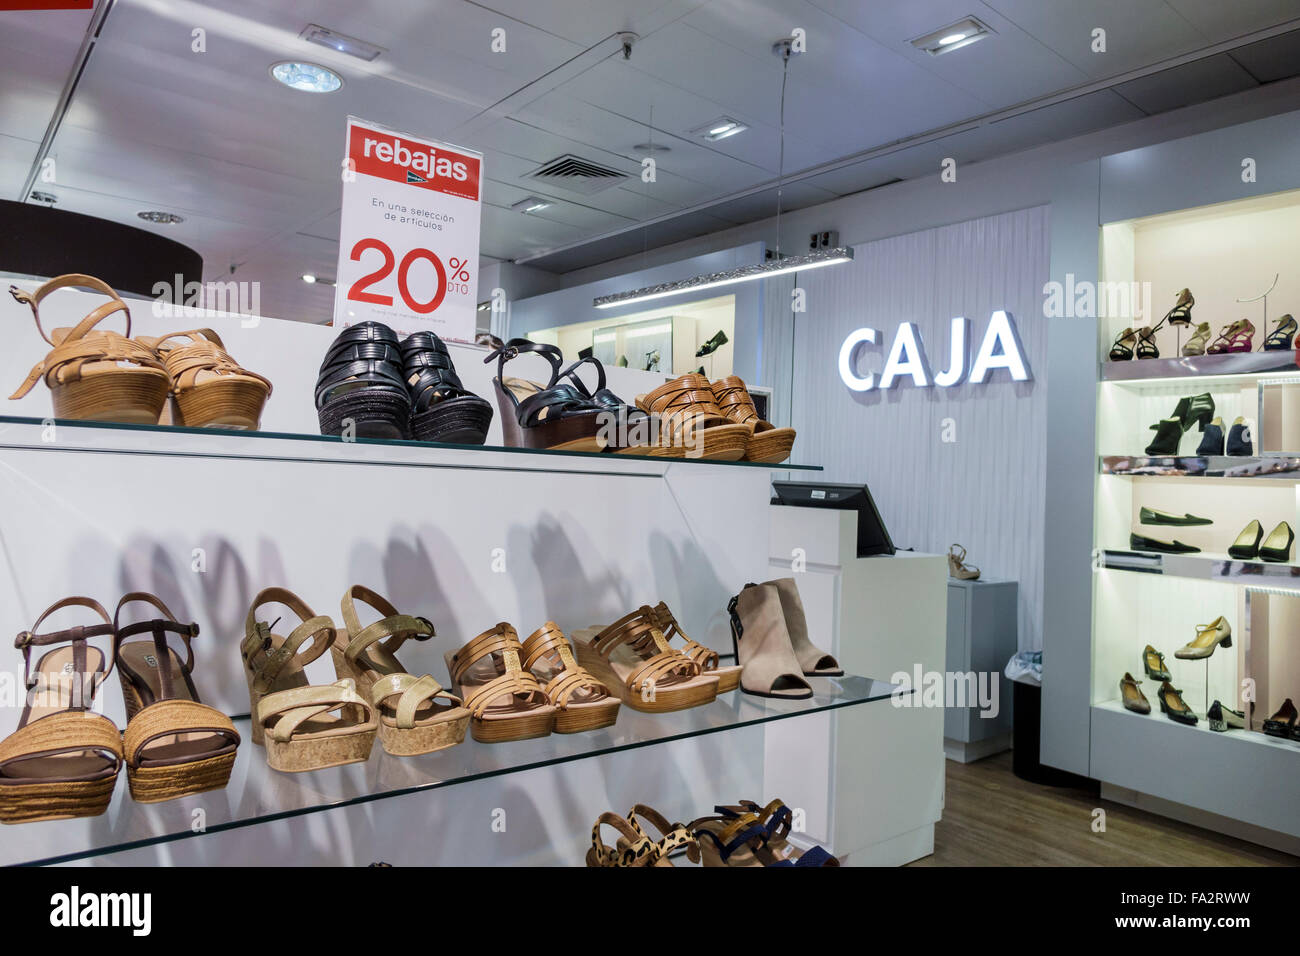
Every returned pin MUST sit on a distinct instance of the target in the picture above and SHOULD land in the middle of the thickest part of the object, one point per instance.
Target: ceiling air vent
(577, 175)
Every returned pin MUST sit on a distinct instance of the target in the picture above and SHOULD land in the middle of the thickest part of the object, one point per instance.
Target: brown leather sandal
(689, 418)
(632, 658)
(416, 716)
(96, 375)
(63, 759)
(209, 388)
(728, 677)
(505, 701)
(294, 720)
(582, 702)
(174, 745)
(767, 443)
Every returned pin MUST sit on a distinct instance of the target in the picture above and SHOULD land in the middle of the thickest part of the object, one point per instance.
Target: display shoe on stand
(763, 646)
(712, 345)
(416, 716)
(209, 389)
(957, 566)
(1153, 663)
(1212, 439)
(1237, 337)
(1172, 705)
(96, 375)
(1221, 718)
(442, 409)
(767, 443)
(555, 415)
(728, 677)
(1196, 344)
(1276, 547)
(1152, 516)
(62, 760)
(1208, 636)
(505, 701)
(690, 419)
(1279, 340)
(582, 703)
(1285, 722)
(303, 726)
(1139, 542)
(632, 658)
(1181, 313)
(1122, 349)
(813, 661)
(174, 745)
(1131, 695)
(1239, 443)
(361, 388)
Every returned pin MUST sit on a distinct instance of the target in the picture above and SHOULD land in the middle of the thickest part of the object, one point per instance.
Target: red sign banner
(47, 4)
(389, 156)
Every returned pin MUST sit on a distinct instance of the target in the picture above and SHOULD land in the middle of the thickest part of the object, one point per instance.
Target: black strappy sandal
(555, 415)
(633, 435)
(362, 381)
(443, 409)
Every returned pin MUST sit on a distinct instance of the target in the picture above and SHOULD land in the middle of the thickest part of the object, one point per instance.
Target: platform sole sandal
(582, 702)
(557, 415)
(767, 443)
(689, 417)
(361, 390)
(416, 716)
(209, 388)
(457, 421)
(505, 701)
(632, 658)
(174, 745)
(728, 676)
(297, 722)
(442, 409)
(64, 758)
(96, 375)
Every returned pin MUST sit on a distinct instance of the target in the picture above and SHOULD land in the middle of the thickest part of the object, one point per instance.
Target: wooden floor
(993, 818)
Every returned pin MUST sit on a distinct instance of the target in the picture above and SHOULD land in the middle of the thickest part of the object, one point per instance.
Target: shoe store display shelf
(1270, 467)
(1206, 567)
(1202, 369)
(257, 795)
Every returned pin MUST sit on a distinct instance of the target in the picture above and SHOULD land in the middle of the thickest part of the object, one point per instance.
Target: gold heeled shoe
(1208, 637)
(957, 566)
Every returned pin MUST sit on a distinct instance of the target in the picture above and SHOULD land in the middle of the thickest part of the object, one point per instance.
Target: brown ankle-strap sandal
(632, 658)
(707, 658)
(303, 727)
(582, 702)
(96, 375)
(174, 745)
(672, 836)
(767, 443)
(209, 388)
(689, 418)
(505, 701)
(416, 716)
(63, 759)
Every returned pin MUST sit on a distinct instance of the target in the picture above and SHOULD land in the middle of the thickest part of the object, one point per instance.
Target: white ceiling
(253, 166)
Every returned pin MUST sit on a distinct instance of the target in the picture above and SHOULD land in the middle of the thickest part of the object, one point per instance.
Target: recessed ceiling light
(162, 218)
(333, 40)
(531, 204)
(952, 37)
(720, 128)
(306, 77)
(308, 278)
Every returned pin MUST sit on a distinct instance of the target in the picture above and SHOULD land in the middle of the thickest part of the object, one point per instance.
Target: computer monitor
(873, 537)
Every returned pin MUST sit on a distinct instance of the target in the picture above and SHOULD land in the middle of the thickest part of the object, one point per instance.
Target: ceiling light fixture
(341, 42)
(952, 37)
(306, 77)
(531, 204)
(720, 128)
(308, 278)
(160, 217)
(651, 148)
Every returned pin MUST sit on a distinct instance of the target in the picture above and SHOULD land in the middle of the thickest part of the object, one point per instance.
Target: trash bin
(1025, 671)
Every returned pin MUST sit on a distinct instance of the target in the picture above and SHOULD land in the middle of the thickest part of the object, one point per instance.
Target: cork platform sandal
(416, 716)
(209, 389)
(63, 759)
(728, 677)
(581, 702)
(505, 701)
(96, 375)
(302, 726)
(632, 658)
(174, 745)
(689, 418)
(767, 443)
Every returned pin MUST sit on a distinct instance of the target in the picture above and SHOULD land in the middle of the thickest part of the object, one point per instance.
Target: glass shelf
(1207, 566)
(176, 441)
(1235, 366)
(1271, 467)
(257, 794)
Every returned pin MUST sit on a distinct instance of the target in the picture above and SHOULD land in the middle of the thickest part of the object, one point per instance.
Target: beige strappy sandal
(957, 566)
(632, 658)
(416, 716)
(294, 720)
(728, 677)
(174, 745)
(767, 443)
(96, 375)
(633, 846)
(689, 418)
(582, 702)
(505, 701)
(63, 759)
(209, 389)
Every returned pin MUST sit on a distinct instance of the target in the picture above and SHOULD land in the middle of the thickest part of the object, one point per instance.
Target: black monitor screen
(873, 538)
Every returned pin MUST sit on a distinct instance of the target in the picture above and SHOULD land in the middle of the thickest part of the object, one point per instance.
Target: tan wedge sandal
(689, 418)
(174, 745)
(728, 677)
(96, 375)
(416, 716)
(209, 389)
(294, 720)
(505, 701)
(632, 658)
(582, 702)
(767, 443)
(63, 759)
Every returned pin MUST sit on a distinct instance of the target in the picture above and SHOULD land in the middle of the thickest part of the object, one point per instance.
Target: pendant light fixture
(777, 265)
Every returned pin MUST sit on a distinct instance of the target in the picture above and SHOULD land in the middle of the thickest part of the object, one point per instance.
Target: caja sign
(999, 348)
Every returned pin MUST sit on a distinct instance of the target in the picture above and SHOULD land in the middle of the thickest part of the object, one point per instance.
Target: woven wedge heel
(209, 388)
(728, 677)
(767, 443)
(689, 418)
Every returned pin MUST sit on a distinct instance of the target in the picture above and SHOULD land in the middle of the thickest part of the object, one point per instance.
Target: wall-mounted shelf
(1206, 566)
(1137, 466)
(1236, 364)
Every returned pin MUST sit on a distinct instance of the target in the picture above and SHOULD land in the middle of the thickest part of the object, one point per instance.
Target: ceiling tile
(1193, 82)
(1273, 59)
(1218, 20)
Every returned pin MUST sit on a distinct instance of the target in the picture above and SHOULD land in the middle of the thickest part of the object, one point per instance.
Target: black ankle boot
(1212, 442)
(1168, 433)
